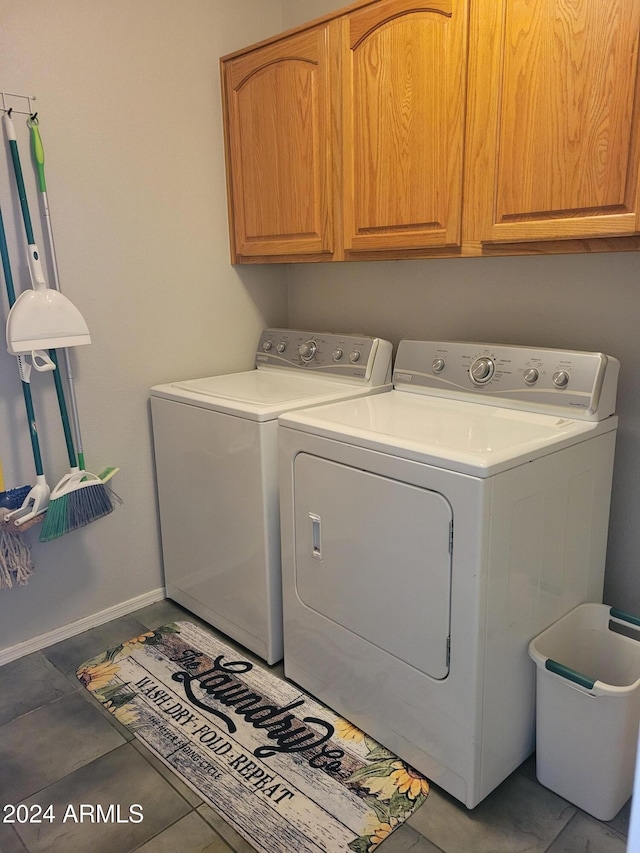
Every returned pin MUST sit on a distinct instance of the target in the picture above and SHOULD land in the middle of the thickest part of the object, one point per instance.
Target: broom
(80, 497)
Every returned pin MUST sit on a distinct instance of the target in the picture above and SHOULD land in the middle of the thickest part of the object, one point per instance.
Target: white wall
(589, 302)
(129, 110)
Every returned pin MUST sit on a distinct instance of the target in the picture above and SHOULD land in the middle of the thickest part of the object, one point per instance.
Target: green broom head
(77, 500)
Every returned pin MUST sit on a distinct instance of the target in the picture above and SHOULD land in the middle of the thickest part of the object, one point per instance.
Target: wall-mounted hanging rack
(16, 103)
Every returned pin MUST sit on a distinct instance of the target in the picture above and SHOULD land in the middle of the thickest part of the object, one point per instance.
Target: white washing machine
(216, 452)
(430, 533)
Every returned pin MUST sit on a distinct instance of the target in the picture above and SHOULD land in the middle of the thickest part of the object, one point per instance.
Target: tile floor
(58, 746)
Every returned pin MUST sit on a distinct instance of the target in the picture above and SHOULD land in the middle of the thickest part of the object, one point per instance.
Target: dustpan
(44, 319)
(40, 318)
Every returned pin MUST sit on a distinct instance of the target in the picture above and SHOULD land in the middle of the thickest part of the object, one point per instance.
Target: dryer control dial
(561, 379)
(481, 370)
(307, 350)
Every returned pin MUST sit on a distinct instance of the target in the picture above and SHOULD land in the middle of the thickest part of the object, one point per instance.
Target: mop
(16, 507)
(80, 497)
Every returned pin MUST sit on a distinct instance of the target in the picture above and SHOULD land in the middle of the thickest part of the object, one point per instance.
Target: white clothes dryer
(216, 451)
(430, 533)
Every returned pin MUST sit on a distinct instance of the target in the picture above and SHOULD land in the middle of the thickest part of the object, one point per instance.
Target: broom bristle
(75, 509)
(53, 524)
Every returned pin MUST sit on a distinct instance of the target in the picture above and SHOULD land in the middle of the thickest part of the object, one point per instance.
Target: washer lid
(470, 438)
(260, 395)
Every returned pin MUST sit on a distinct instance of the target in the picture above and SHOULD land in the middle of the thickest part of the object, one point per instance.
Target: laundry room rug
(288, 773)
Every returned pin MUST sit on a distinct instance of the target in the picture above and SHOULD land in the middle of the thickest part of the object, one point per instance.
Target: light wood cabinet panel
(554, 148)
(404, 76)
(279, 148)
(437, 128)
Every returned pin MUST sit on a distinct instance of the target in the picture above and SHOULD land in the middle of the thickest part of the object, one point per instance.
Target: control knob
(354, 357)
(481, 370)
(337, 354)
(307, 350)
(266, 346)
(282, 346)
(437, 365)
(531, 375)
(560, 379)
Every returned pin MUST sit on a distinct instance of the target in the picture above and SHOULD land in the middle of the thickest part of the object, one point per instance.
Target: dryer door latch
(316, 537)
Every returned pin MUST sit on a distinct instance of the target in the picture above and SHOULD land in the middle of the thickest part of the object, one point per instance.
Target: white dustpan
(44, 319)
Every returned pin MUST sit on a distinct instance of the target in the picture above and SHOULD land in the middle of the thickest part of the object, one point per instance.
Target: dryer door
(372, 554)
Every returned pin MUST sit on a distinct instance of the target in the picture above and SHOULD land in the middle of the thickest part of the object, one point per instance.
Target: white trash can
(588, 707)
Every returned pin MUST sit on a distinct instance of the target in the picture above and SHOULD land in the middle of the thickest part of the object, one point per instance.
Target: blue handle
(569, 674)
(22, 193)
(624, 617)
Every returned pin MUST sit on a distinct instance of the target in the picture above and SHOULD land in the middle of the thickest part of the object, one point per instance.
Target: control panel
(350, 357)
(578, 384)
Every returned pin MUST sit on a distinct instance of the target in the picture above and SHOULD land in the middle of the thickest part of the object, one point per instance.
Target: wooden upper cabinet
(279, 148)
(436, 128)
(553, 149)
(403, 113)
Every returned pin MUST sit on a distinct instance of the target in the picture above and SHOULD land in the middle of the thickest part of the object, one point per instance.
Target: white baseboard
(66, 631)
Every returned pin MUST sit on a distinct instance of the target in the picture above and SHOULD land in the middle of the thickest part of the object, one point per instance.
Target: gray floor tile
(621, 821)
(584, 833)
(10, 840)
(163, 613)
(405, 839)
(120, 778)
(68, 655)
(191, 834)
(520, 815)
(29, 683)
(528, 768)
(41, 747)
(233, 838)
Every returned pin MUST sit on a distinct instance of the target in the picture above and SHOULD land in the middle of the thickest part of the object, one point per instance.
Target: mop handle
(64, 414)
(26, 390)
(17, 168)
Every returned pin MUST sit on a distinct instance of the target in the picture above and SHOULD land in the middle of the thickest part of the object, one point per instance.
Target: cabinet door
(279, 148)
(554, 131)
(404, 83)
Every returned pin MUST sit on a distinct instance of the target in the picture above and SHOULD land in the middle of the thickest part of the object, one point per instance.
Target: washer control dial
(481, 370)
(266, 346)
(282, 346)
(307, 350)
(354, 358)
(531, 375)
(437, 365)
(561, 378)
(337, 354)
